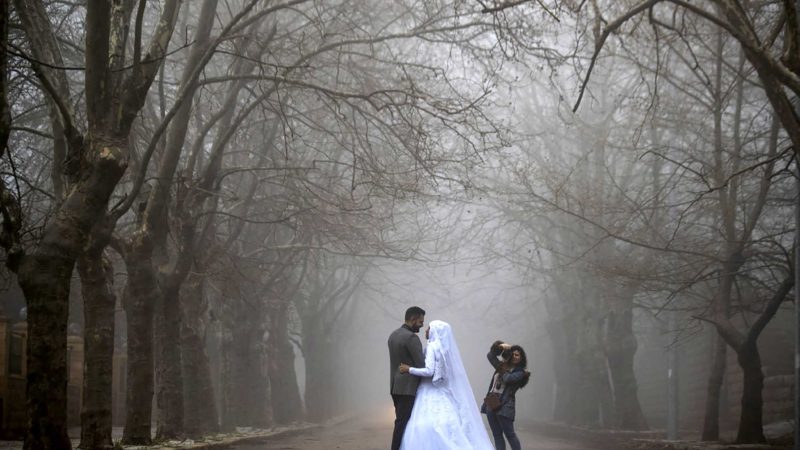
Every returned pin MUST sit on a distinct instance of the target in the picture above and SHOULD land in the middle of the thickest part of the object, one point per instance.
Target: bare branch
(598, 45)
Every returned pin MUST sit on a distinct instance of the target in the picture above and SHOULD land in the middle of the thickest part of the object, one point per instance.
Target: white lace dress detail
(445, 415)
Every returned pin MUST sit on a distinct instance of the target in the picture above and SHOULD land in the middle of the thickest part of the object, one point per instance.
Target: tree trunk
(318, 392)
(198, 392)
(255, 392)
(96, 274)
(620, 351)
(608, 413)
(169, 388)
(45, 280)
(711, 419)
(228, 382)
(99, 160)
(141, 293)
(169, 395)
(44, 277)
(561, 336)
(797, 295)
(245, 385)
(588, 413)
(751, 429)
(596, 405)
(746, 347)
(287, 406)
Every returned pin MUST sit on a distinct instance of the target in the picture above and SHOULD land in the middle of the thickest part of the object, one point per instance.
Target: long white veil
(449, 370)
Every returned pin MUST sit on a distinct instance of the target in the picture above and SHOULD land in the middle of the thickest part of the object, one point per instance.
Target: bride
(445, 415)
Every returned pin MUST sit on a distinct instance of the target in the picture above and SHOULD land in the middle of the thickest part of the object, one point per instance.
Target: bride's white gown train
(445, 414)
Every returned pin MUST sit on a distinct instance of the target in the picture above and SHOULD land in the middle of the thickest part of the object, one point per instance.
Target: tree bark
(596, 406)
(620, 351)
(189, 200)
(732, 251)
(169, 387)
(5, 110)
(318, 392)
(746, 347)
(245, 385)
(227, 381)
(286, 404)
(141, 293)
(751, 428)
(199, 405)
(562, 338)
(96, 273)
(715, 377)
(45, 282)
(99, 161)
(255, 392)
(169, 395)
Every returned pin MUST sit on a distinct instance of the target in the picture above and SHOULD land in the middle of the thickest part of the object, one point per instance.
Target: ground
(375, 433)
(372, 430)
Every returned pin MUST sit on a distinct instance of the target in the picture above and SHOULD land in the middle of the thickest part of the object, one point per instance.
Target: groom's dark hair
(414, 311)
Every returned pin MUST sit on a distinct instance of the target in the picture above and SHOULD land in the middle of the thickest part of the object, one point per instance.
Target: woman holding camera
(510, 374)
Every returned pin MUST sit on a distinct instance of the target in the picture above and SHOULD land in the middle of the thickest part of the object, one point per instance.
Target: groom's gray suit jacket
(404, 347)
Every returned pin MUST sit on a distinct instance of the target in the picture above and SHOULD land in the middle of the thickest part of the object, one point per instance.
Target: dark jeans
(402, 412)
(501, 425)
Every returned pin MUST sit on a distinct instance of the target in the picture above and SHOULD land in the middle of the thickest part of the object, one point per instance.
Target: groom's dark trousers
(402, 412)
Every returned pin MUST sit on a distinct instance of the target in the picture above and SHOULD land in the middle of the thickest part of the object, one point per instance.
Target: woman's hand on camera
(497, 347)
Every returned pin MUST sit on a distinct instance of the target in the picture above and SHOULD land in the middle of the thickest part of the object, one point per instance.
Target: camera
(498, 350)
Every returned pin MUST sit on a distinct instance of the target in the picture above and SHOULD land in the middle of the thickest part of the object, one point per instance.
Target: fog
(479, 306)
(215, 212)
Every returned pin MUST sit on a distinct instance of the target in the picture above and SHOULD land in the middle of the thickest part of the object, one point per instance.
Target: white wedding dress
(445, 415)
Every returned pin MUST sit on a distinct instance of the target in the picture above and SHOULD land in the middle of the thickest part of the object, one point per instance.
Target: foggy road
(375, 434)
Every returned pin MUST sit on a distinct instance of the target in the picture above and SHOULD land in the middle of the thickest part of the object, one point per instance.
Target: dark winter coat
(512, 380)
(404, 347)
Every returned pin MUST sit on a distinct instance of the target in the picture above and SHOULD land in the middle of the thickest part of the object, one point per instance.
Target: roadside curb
(218, 441)
(226, 440)
(650, 444)
(637, 440)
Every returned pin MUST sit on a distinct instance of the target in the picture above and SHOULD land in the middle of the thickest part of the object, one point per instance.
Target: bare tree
(762, 35)
(331, 284)
(97, 158)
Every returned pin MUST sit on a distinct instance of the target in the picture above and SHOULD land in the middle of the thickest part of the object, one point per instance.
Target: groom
(405, 347)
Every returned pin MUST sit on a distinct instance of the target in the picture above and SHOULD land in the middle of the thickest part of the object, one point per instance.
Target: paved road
(375, 434)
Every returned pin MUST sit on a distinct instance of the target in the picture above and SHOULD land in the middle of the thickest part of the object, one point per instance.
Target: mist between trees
(239, 198)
